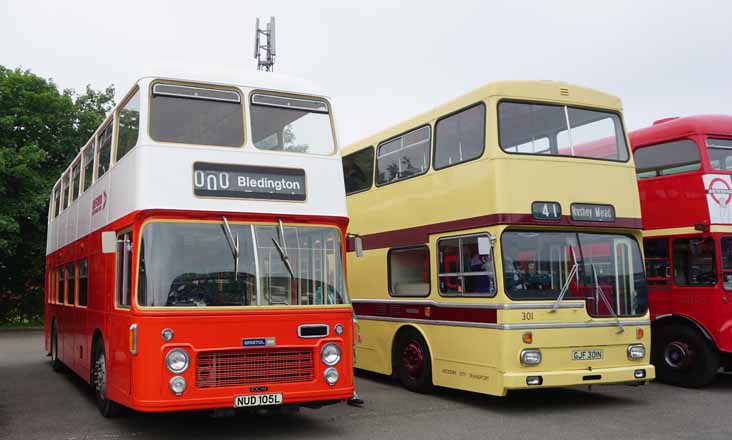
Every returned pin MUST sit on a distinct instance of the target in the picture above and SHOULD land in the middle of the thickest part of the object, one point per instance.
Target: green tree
(41, 130)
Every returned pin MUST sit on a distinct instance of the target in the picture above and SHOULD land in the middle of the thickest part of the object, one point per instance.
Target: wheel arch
(675, 319)
(400, 332)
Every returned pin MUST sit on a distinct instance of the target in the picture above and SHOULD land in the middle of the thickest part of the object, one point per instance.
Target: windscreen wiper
(282, 249)
(601, 294)
(574, 272)
(233, 244)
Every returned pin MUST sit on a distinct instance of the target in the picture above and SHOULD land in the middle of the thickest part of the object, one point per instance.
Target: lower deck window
(463, 270)
(694, 262)
(409, 271)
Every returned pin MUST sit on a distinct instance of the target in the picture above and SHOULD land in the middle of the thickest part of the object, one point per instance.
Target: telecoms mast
(265, 53)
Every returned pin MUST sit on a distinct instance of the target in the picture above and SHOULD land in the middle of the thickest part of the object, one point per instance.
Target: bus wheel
(413, 363)
(56, 364)
(683, 357)
(99, 381)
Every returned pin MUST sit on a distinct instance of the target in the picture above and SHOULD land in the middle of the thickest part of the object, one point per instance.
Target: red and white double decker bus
(195, 250)
(684, 169)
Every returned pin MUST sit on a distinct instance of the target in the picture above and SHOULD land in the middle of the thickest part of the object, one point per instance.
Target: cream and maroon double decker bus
(499, 241)
(195, 254)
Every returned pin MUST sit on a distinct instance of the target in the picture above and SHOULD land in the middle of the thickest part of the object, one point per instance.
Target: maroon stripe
(388, 309)
(420, 234)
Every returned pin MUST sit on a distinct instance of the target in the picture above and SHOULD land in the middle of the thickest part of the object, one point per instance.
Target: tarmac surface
(36, 403)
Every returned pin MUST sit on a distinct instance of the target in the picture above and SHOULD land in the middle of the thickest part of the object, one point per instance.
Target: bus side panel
(374, 351)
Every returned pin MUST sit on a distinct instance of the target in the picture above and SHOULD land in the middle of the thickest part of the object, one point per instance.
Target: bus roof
(551, 91)
(673, 128)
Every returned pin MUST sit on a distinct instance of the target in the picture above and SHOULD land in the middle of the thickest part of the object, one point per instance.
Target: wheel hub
(678, 355)
(413, 359)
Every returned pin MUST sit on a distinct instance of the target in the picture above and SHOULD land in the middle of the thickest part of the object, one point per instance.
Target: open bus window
(667, 158)
(296, 125)
(463, 270)
(409, 271)
(193, 265)
(403, 157)
(358, 170)
(527, 128)
(720, 153)
(694, 262)
(196, 115)
(538, 265)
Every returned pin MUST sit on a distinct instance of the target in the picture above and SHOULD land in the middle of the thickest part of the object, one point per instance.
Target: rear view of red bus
(684, 169)
(195, 251)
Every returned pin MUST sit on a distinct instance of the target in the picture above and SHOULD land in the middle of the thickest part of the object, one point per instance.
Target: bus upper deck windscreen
(560, 130)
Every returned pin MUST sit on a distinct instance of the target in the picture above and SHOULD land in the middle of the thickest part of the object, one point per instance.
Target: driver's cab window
(694, 262)
(124, 269)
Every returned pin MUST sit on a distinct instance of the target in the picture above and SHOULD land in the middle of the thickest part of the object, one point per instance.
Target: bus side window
(727, 262)
(460, 137)
(83, 282)
(657, 261)
(694, 262)
(358, 170)
(124, 269)
(409, 271)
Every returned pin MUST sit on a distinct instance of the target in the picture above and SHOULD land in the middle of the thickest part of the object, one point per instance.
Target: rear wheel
(413, 365)
(683, 357)
(56, 364)
(99, 381)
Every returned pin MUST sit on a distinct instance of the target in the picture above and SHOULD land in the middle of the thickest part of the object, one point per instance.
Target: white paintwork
(160, 176)
(718, 188)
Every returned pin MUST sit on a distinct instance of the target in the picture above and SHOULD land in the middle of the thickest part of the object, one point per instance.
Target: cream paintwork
(160, 176)
(483, 359)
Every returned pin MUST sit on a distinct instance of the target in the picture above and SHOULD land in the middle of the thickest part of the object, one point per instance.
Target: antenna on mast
(265, 52)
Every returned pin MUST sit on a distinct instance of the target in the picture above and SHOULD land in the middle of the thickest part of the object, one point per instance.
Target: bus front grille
(244, 367)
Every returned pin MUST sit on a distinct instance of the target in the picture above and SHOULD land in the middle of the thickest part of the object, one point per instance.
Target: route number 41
(546, 210)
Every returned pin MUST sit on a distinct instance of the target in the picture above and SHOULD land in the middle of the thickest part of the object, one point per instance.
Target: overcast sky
(383, 61)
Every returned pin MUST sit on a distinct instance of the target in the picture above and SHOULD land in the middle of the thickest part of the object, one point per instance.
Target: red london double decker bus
(195, 250)
(684, 169)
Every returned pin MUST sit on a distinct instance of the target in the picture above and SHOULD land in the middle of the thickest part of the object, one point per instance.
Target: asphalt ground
(36, 403)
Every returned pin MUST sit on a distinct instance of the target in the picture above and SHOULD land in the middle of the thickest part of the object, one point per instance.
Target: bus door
(625, 295)
(695, 278)
(118, 356)
(658, 275)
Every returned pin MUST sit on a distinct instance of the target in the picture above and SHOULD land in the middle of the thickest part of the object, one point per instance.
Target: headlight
(177, 384)
(636, 351)
(530, 357)
(331, 375)
(330, 354)
(177, 360)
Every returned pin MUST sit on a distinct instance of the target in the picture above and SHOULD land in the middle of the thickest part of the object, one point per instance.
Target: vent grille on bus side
(244, 367)
(564, 91)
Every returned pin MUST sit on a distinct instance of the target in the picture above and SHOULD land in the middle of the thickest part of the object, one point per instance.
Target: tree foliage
(41, 131)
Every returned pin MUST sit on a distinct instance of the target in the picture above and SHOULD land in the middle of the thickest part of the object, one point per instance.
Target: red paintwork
(141, 381)
(680, 201)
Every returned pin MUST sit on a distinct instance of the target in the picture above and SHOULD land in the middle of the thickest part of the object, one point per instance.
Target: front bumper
(550, 379)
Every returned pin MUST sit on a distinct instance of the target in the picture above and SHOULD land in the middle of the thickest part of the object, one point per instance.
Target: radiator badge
(258, 342)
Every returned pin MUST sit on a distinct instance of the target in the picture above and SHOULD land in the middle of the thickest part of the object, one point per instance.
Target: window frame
(708, 158)
(388, 270)
(91, 144)
(70, 269)
(716, 261)
(456, 112)
(97, 149)
(75, 163)
(149, 112)
(382, 143)
(666, 280)
(118, 305)
(61, 289)
(373, 168)
(115, 132)
(78, 282)
(617, 113)
(464, 294)
(669, 141)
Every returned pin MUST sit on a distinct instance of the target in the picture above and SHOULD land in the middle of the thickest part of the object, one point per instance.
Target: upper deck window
(104, 151)
(358, 170)
(667, 158)
(75, 179)
(65, 191)
(403, 157)
(720, 153)
(88, 157)
(128, 126)
(460, 137)
(196, 115)
(298, 125)
(56, 201)
(557, 130)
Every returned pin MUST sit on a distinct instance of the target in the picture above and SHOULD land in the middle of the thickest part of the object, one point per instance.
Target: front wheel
(413, 365)
(99, 381)
(683, 357)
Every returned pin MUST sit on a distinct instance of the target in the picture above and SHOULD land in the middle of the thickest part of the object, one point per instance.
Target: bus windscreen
(559, 130)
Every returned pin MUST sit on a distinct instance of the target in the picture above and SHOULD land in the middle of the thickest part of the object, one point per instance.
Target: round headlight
(331, 375)
(177, 384)
(177, 360)
(339, 329)
(330, 354)
(167, 334)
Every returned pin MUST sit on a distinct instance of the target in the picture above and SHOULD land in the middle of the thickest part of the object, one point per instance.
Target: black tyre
(99, 382)
(683, 356)
(56, 364)
(412, 362)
